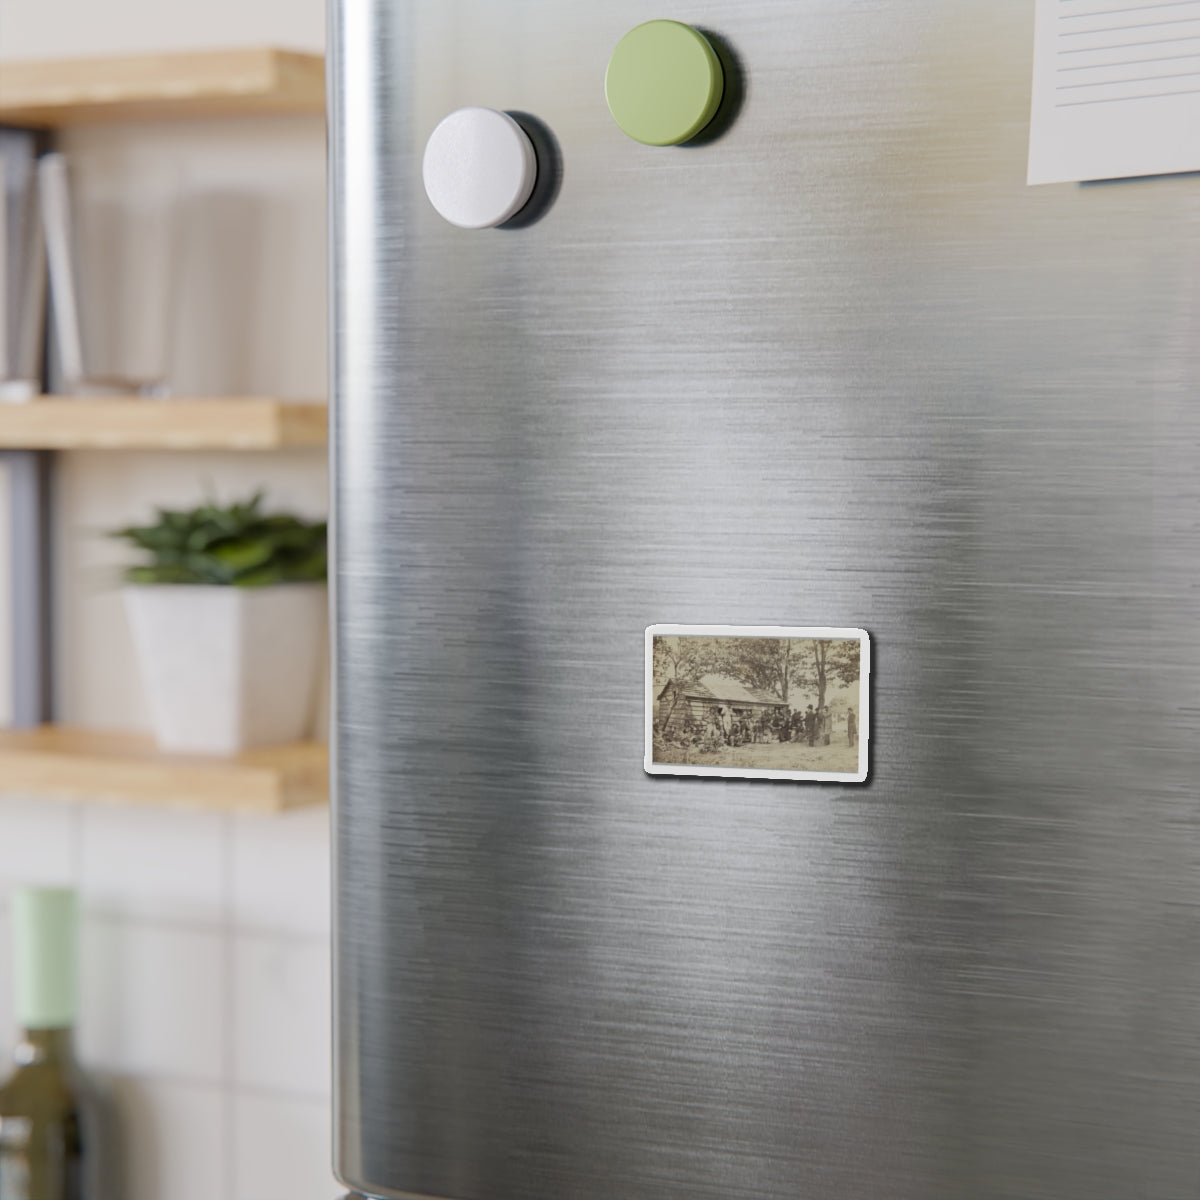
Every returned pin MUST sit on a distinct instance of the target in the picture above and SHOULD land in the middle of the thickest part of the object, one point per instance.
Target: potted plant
(228, 621)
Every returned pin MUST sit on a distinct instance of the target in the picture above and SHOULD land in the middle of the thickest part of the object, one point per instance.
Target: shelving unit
(227, 423)
(150, 87)
(43, 759)
(80, 764)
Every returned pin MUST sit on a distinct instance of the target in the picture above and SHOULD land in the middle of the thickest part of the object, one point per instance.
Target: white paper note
(1116, 89)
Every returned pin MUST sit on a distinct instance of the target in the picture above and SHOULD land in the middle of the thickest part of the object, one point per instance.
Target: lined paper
(1116, 89)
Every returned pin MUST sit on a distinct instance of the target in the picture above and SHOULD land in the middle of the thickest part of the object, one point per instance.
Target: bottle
(42, 1125)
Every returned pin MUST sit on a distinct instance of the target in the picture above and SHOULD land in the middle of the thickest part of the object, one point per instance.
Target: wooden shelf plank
(213, 83)
(78, 764)
(228, 423)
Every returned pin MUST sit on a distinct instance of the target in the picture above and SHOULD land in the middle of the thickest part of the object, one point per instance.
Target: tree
(765, 664)
(777, 666)
(683, 659)
(821, 660)
(679, 660)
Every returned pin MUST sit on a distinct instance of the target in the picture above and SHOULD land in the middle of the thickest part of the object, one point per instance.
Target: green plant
(238, 546)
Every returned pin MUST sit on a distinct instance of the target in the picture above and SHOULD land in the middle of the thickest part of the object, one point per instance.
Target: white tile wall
(205, 979)
(156, 1000)
(154, 864)
(172, 1140)
(282, 1015)
(281, 873)
(282, 1150)
(38, 843)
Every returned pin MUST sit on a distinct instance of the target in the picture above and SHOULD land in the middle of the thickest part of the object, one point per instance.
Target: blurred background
(205, 956)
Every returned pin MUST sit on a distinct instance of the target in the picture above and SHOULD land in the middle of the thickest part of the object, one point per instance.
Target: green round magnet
(664, 83)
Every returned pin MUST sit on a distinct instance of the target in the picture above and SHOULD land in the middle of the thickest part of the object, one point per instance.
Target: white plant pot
(227, 668)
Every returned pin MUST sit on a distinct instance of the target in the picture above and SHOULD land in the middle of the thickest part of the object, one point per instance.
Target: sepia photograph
(757, 702)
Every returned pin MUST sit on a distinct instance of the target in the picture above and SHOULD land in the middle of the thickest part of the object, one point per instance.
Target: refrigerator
(828, 363)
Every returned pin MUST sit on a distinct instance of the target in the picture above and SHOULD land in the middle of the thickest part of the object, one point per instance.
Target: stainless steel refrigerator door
(837, 367)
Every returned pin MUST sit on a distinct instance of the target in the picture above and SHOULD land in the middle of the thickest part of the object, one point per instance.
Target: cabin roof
(724, 691)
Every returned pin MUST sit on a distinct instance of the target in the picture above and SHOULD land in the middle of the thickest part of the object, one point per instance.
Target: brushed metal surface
(838, 366)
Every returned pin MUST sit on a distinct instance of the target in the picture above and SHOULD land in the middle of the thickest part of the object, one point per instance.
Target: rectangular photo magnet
(758, 702)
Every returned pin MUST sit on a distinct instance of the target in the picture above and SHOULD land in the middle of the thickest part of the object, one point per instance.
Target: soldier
(827, 723)
(851, 727)
(810, 725)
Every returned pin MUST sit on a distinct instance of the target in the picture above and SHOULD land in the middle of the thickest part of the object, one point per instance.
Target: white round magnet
(479, 168)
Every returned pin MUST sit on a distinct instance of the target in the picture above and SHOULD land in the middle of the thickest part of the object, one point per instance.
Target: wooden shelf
(77, 764)
(216, 83)
(229, 423)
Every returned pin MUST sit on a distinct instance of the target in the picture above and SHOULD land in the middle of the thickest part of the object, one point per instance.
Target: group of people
(813, 725)
(724, 726)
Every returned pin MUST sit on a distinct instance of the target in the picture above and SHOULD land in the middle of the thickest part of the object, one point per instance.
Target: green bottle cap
(664, 83)
(44, 924)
